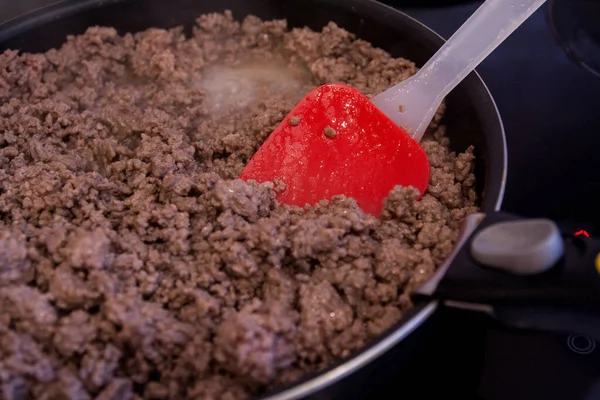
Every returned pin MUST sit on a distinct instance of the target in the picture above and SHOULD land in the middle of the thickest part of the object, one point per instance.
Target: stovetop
(471, 359)
(549, 107)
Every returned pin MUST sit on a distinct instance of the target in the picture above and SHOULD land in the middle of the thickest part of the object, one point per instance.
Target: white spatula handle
(489, 26)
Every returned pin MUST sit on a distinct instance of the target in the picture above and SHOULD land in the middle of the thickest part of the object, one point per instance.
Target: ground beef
(133, 265)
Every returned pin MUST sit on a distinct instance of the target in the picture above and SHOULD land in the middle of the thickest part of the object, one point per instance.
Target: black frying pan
(471, 118)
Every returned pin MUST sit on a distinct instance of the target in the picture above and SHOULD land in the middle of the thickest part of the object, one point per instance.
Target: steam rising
(229, 88)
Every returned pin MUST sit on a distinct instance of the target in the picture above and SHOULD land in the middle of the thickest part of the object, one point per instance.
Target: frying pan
(562, 299)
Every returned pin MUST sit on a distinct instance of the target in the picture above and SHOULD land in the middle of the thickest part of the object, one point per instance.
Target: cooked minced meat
(133, 263)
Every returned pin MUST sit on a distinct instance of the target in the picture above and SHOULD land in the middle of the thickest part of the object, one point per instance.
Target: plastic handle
(489, 26)
(565, 298)
(573, 282)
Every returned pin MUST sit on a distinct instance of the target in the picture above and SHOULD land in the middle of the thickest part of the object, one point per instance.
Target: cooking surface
(549, 107)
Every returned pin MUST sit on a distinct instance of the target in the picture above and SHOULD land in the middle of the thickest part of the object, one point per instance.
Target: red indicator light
(582, 233)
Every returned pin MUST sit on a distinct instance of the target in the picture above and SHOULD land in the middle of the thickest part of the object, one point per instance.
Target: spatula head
(335, 141)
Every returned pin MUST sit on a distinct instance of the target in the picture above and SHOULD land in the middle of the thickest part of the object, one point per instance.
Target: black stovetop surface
(471, 359)
(550, 111)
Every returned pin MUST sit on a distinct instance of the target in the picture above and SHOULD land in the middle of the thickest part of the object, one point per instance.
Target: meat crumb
(330, 132)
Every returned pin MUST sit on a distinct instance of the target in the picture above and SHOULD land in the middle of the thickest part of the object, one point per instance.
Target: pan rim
(360, 359)
(403, 328)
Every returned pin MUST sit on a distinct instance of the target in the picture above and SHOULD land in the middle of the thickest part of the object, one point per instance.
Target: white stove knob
(523, 247)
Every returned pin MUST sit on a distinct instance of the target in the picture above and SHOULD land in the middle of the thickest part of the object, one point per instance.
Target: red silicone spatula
(337, 141)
